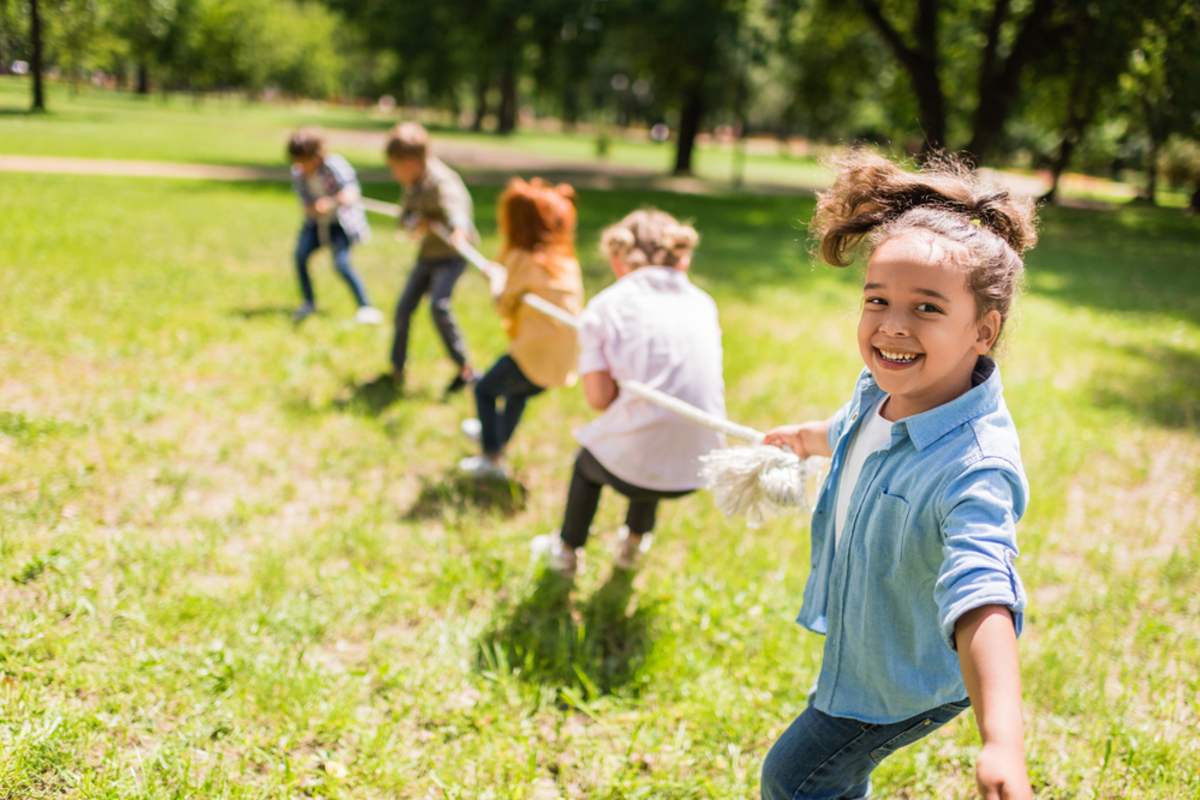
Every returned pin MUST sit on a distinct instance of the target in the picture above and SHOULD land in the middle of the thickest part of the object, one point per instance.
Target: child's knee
(775, 783)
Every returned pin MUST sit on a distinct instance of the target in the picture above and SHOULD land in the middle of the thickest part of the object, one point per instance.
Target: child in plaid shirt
(328, 189)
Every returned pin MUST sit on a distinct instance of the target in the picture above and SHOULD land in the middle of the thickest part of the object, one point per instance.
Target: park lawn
(231, 131)
(234, 565)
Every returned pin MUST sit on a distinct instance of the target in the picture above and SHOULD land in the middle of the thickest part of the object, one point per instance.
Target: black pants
(436, 276)
(504, 380)
(584, 496)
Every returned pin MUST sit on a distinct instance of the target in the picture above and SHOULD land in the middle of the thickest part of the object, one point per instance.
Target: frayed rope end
(759, 482)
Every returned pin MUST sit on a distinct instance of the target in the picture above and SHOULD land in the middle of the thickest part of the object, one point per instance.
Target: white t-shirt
(653, 326)
(875, 433)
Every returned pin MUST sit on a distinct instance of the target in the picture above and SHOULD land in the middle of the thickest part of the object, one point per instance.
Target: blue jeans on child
(820, 757)
(503, 380)
(309, 242)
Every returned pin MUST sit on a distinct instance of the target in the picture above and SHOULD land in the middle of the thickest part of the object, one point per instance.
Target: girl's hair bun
(649, 237)
(568, 191)
(873, 200)
(871, 192)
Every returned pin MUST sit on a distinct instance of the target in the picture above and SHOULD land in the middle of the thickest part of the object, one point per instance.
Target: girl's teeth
(898, 356)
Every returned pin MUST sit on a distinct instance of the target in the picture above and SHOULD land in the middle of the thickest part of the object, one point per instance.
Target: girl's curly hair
(873, 200)
(649, 237)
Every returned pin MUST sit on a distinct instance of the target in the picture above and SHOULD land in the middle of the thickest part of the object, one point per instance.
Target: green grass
(121, 125)
(235, 565)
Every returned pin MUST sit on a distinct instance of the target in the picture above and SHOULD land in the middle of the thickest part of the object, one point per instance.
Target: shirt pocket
(890, 521)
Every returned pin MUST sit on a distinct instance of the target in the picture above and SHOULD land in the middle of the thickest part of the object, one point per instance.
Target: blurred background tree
(1045, 84)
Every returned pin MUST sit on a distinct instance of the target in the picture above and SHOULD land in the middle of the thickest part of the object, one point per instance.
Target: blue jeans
(820, 757)
(309, 242)
(503, 380)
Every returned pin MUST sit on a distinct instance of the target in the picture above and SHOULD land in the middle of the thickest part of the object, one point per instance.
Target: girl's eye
(929, 308)
(875, 301)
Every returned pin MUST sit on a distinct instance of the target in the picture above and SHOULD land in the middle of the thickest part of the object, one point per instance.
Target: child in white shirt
(652, 326)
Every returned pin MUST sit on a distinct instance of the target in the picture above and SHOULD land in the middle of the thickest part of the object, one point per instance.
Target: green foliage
(1179, 162)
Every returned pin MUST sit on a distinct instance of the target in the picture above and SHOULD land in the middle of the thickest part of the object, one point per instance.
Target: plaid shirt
(336, 174)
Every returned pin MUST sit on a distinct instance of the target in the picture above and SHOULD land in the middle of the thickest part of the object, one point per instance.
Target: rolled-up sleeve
(591, 343)
(980, 509)
(343, 173)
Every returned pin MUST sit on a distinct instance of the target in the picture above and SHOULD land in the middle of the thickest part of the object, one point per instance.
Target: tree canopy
(1039, 82)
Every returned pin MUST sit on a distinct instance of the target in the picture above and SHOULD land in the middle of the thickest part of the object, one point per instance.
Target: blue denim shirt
(929, 536)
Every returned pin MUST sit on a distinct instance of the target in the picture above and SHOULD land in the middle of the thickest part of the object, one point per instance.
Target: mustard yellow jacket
(545, 349)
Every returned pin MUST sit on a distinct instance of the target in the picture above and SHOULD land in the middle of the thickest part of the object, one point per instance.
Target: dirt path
(483, 164)
(477, 164)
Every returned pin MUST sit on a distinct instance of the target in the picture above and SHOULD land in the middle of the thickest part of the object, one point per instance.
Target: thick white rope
(756, 481)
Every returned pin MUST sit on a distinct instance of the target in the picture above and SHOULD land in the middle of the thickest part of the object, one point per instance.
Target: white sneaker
(630, 550)
(472, 429)
(566, 561)
(366, 315)
(483, 467)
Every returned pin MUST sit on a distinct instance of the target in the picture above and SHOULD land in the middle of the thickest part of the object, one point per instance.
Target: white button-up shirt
(653, 326)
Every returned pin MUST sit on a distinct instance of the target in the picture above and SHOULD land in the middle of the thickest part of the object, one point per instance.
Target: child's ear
(987, 329)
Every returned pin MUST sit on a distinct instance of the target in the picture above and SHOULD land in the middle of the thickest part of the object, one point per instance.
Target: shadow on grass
(456, 494)
(598, 646)
(371, 397)
(1132, 259)
(1163, 387)
(282, 312)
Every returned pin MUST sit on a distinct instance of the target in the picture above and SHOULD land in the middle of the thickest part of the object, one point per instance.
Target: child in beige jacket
(537, 223)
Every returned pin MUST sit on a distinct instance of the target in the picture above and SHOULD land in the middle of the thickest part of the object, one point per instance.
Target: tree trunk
(932, 103)
(1194, 205)
(1000, 85)
(921, 64)
(570, 107)
(481, 92)
(39, 97)
(689, 126)
(143, 77)
(1061, 161)
(1151, 190)
(506, 116)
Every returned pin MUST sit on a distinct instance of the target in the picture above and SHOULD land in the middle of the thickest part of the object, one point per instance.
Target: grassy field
(121, 125)
(233, 565)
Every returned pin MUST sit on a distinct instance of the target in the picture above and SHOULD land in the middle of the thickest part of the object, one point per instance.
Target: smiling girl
(913, 536)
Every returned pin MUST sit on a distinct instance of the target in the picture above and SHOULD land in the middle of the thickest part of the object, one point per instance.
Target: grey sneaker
(631, 549)
(303, 312)
(566, 561)
(484, 467)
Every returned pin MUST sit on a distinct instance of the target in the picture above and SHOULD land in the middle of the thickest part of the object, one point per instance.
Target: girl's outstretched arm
(806, 439)
(987, 652)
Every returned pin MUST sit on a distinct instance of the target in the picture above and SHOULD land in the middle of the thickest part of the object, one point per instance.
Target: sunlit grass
(232, 566)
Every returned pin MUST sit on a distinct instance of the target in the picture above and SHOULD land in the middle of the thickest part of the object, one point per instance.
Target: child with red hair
(537, 223)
